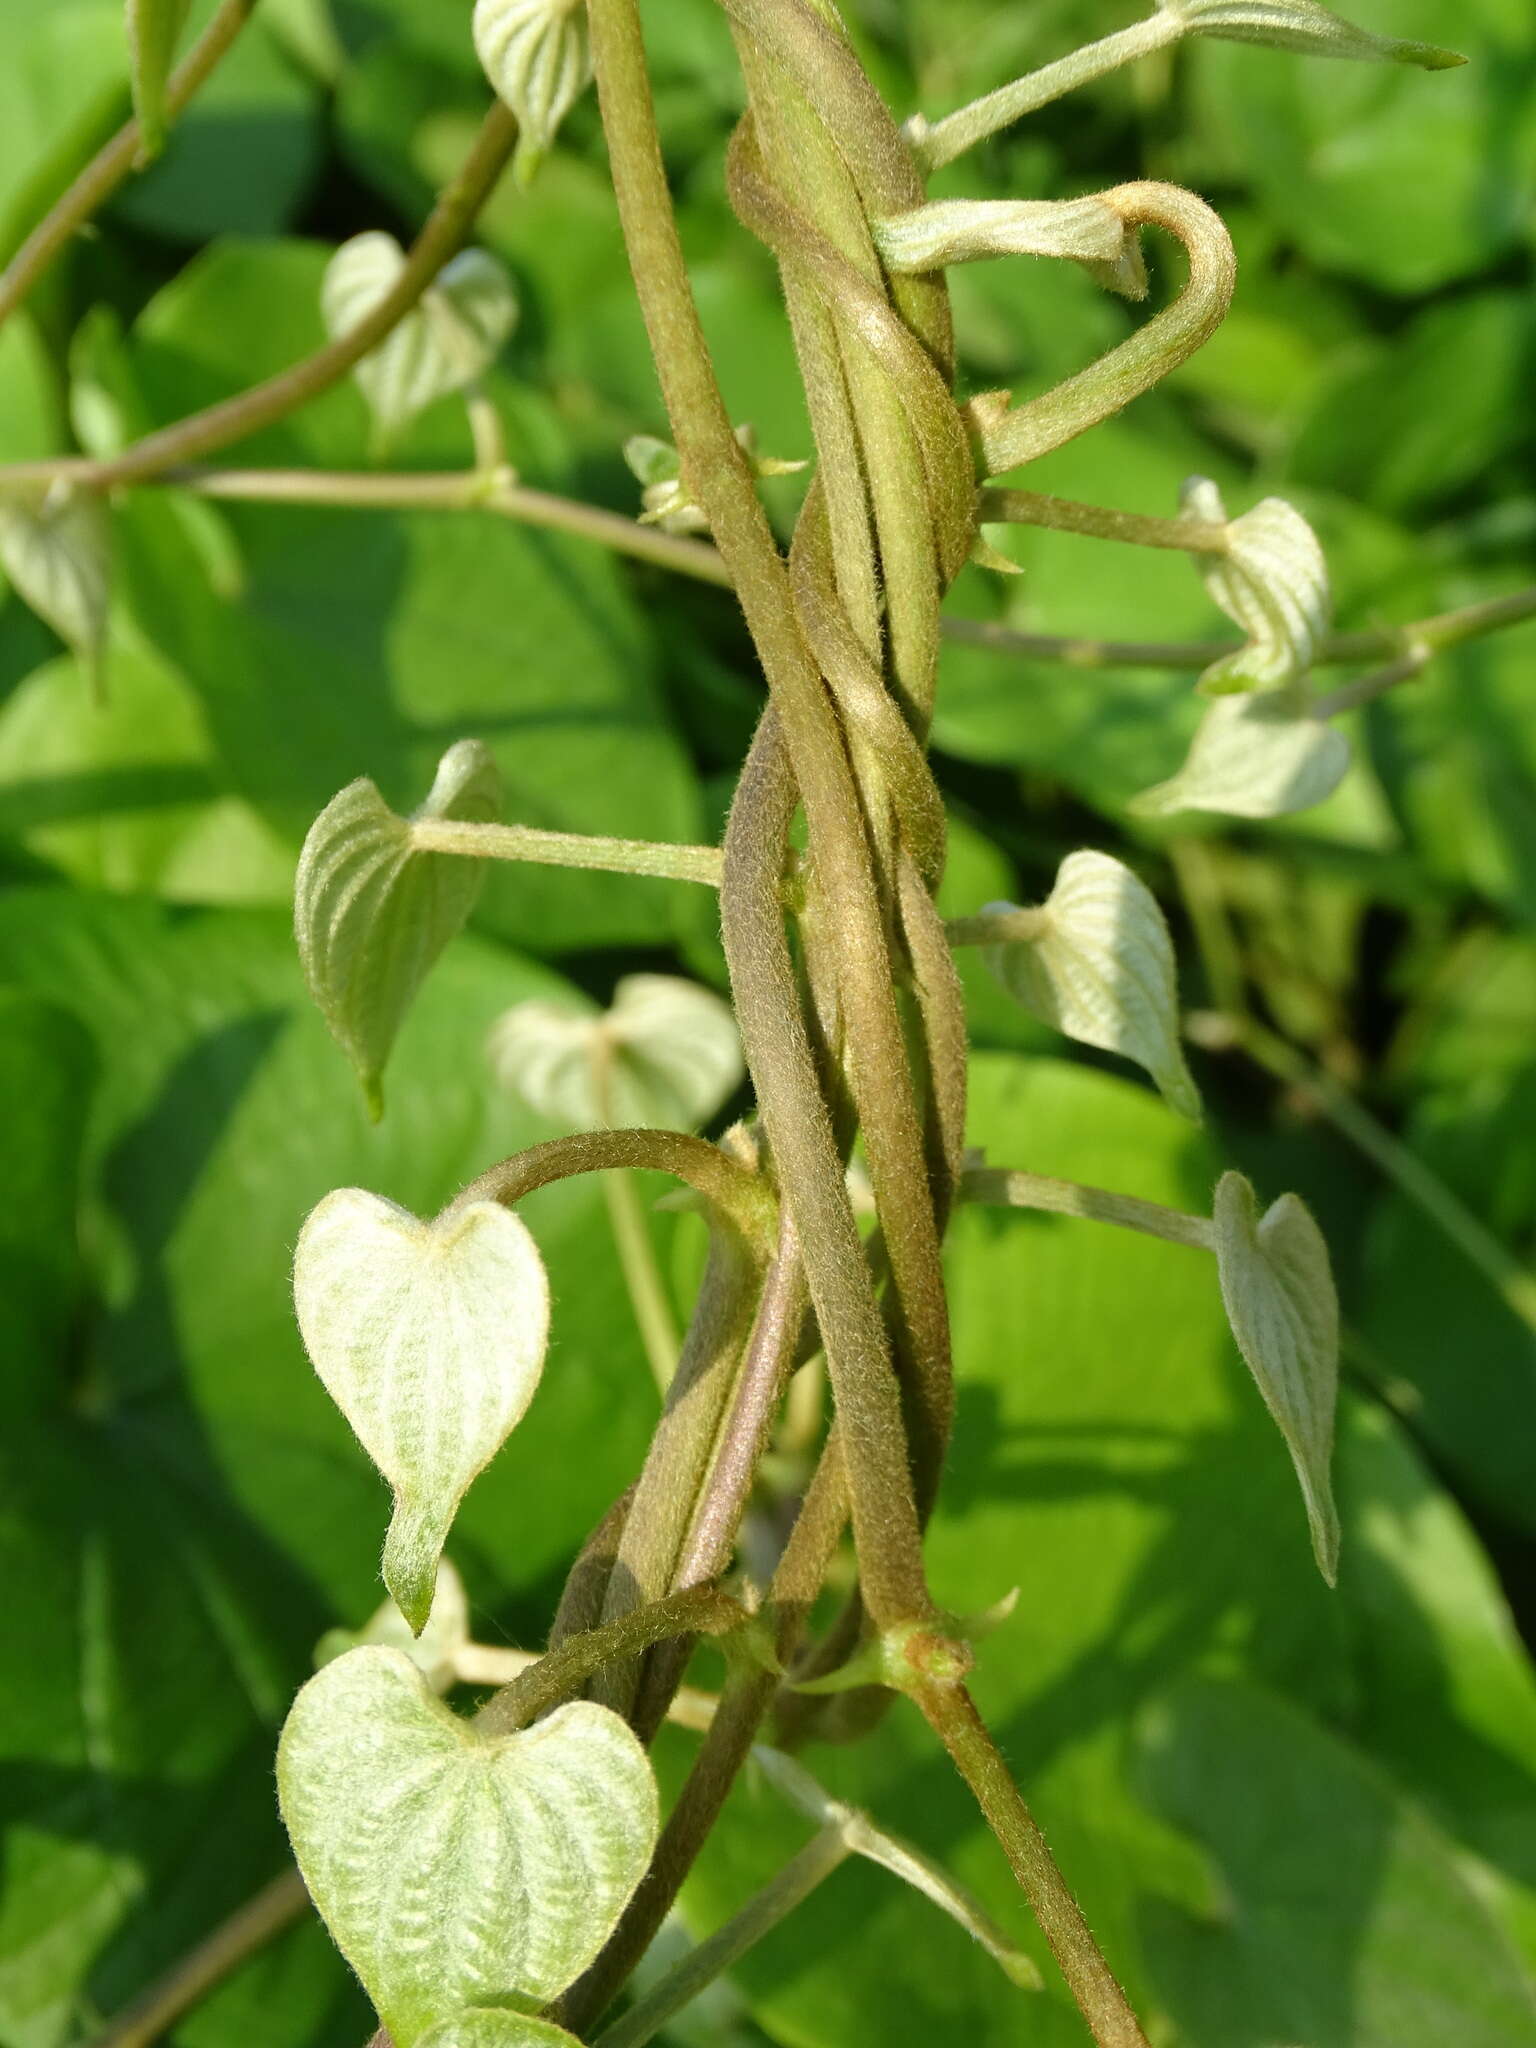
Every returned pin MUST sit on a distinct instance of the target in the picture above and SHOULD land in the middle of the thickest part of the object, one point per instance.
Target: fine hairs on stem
(848, 1002)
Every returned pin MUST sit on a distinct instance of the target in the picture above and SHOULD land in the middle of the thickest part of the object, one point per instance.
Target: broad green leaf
(514, 1855)
(1340, 1915)
(536, 55)
(372, 913)
(244, 156)
(47, 1072)
(128, 795)
(1450, 1703)
(1304, 27)
(423, 624)
(57, 551)
(430, 1339)
(62, 92)
(1105, 1428)
(1427, 1309)
(1102, 970)
(1259, 755)
(1366, 211)
(1277, 1284)
(1272, 581)
(444, 343)
(198, 1513)
(154, 28)
(667, 1053)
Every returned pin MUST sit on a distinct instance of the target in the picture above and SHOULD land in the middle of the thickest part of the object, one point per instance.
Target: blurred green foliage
(1292, 1816)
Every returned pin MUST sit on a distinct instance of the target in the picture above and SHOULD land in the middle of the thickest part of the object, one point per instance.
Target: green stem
(1014, 1189)
(789, 1888)
(1443, 630)
(115, 161)
(275, 1908)
(942, 142)
(453, 491)
(1025, 432)
(568, 850)
(560, 1673)
(951, 1713)
(234, 418)
(789, 1095)
(649, 1300)
(1099, 522)
(997, 927)
(740, 1197)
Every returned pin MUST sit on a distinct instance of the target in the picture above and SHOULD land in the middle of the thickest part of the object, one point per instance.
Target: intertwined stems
(876, 358)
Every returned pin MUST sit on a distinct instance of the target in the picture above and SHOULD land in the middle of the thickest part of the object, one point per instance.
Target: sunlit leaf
(452, 1869)
(1101, 969)
(57, 551)
(153, 29)
(1305, 27)
(1272, 581)
(430, 1339)
(449, 337)
(1278, 1288)
(1259, 755)
(372, 912)
(536, 55)
(667, 1053)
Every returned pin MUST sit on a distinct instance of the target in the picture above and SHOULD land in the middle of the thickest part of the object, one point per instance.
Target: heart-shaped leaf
(1278, 1288)
(454, 1869)
(1271, 580)
(372, 912)
(429, 1337)
(450, 337)
(1262, 755)
(667, 1053)
(537, 57)
(1100, 968)
(154, 27)
(57, 552)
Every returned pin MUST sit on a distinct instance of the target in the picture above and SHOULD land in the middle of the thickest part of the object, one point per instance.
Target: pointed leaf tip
(430, 1339)
(372, 912)
(1102, 971)
(1277, 1285)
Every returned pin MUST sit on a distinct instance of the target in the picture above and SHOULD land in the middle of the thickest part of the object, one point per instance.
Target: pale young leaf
(372, 912)
(57, 550)
(1101, 970)
(1272, 581)
(448, 339)
(154, 27)
(536, 55)
(1262, 755)
(430, 1338)
(667, 1054)
(435, 1652)
(456, 1870)
(1302, 26)
(1278, 1289)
